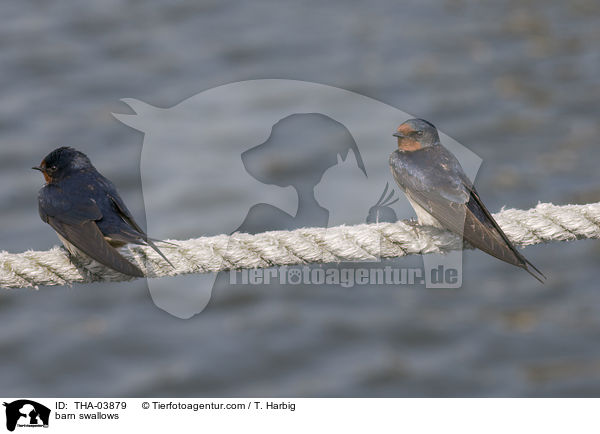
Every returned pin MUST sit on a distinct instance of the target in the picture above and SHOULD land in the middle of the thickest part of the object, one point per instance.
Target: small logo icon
(26, 413)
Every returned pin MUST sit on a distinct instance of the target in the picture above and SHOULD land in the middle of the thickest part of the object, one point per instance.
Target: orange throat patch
(406, 144)
(47, 177)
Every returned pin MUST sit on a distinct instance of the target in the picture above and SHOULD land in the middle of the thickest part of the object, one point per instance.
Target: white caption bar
(266, 415)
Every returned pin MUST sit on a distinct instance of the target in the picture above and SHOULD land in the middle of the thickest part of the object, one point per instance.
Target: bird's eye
(52, 169)
(419, 133)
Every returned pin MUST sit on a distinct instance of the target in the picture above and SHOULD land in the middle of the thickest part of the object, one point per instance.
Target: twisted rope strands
(365, 242)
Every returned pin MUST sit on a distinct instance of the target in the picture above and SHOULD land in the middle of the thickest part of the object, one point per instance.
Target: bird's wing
(478, 211)
(429, 178)
(75, 222)
(88, 238)
(434, 179)
(55, 202)
(135, 232)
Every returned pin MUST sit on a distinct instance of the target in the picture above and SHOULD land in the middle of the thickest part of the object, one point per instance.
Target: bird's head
(62, 162)
(415, 134)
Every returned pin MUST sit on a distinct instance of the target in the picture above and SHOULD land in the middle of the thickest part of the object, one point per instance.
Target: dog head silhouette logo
(25, 412)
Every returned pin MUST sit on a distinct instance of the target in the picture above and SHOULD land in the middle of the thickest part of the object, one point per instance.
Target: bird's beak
(397, 134)
(41, 169)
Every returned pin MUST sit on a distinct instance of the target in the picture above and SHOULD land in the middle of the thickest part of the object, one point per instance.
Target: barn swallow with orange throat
(443, 196)
(86, 211)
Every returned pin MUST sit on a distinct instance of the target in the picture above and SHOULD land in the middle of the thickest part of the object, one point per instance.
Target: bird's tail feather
(150, 242)
(539, 276)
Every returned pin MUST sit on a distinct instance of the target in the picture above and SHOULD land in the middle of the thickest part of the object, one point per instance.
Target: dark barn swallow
(86, 211)
(443, 196)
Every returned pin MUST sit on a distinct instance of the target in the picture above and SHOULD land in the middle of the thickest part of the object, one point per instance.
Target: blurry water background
(516, 82)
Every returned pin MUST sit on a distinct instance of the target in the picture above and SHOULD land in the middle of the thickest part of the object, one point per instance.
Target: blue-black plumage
(443, 196)
(87, 212)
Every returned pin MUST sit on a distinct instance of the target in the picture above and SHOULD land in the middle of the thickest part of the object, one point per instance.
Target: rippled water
(515, 82)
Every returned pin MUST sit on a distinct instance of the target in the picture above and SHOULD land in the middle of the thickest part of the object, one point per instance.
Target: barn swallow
(87, 212)
(443, 196)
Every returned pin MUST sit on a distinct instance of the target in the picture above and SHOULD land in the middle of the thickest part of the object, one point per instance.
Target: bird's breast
(423, 216)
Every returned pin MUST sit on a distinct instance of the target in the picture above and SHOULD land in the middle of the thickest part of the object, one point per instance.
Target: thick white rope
(545, 222)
